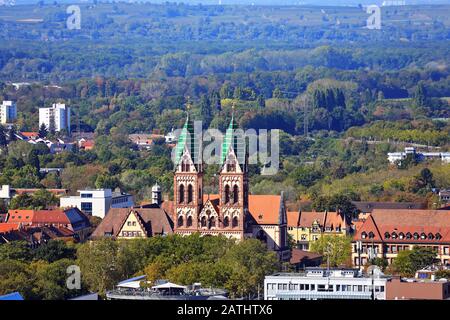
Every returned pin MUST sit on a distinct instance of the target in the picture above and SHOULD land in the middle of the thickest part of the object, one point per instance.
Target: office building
(97, 202)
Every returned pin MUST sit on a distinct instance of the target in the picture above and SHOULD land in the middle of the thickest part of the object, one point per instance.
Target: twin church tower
(226, 213)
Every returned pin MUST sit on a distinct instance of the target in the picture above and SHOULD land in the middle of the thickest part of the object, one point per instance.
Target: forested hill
(137, 40)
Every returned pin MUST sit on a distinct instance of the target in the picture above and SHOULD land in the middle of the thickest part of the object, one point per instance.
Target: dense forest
(343, 95)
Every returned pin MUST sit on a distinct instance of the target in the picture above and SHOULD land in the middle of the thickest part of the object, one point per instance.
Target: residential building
(233, 212)
(444, 196)
(145, 141)
(415, 289)
(171, 137)
(386, 232)
(58, 116)
(134, 223)
(322, 283)
(396, 157)
(8, 112)
(71, 219)
(301, 259)
(97, 202)
(35, 236)
(307, 227)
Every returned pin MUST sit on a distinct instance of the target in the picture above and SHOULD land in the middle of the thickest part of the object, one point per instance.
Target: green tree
(336, 250)
(43, 131)
(99, 265)
(408, 262)
(54, 250)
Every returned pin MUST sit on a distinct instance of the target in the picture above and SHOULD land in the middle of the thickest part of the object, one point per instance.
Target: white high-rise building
(8, 112)
(58, 113)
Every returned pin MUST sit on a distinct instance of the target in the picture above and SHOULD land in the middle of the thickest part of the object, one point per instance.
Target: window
(235, 194)
(371, 235)
(408, 235)
(227, 193)
(86, 195)
(203, 221)
(430, 236)
(180, 221)
(364, 235)
(423, 236)
(190, 194)
(189, 221)
(416, 236)
(181, 194)
(134, 223)
(226, 222)
(235, 222)
(129, 223)
(401, 235)
(212, 222)
(86, 207)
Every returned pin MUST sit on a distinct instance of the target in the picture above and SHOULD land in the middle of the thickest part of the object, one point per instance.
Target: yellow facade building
(307, 227)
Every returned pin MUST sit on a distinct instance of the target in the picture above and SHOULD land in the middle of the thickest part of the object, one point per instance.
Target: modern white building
(97, 202)
(59, 114)
(394, 157)
(8, 112)
(322, 283)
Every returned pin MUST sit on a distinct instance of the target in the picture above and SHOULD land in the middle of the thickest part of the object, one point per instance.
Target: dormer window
(401, 235)
(438, 236)
(430, 236)
(387, 235)
(423, 236)
(371, 235)
(408, 235)
(416, 236)
(364, 235)
(394, 235)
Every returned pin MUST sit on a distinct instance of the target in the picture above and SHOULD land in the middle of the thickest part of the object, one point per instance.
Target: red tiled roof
(325, 219)
(30, 134)
(6, 227)
(38, 216)
(406, 221)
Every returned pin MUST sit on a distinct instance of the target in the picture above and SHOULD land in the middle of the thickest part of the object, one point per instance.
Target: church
(233, 212)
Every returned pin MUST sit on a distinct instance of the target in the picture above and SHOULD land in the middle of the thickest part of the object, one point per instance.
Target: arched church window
(227, 193)
(190, 194)
(189, 221)
(212, 222)
(181, 194)
(235, 222)
(180, 221)
(235, 194)
(203, 221)
(226, 222)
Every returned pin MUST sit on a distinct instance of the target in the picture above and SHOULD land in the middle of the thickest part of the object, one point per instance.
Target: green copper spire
(186, 137)
(234, 140)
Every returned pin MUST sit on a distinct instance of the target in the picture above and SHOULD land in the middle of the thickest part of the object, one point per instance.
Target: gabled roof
(324, 219)
(380, 222)
(265, 209)
(154, 220)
